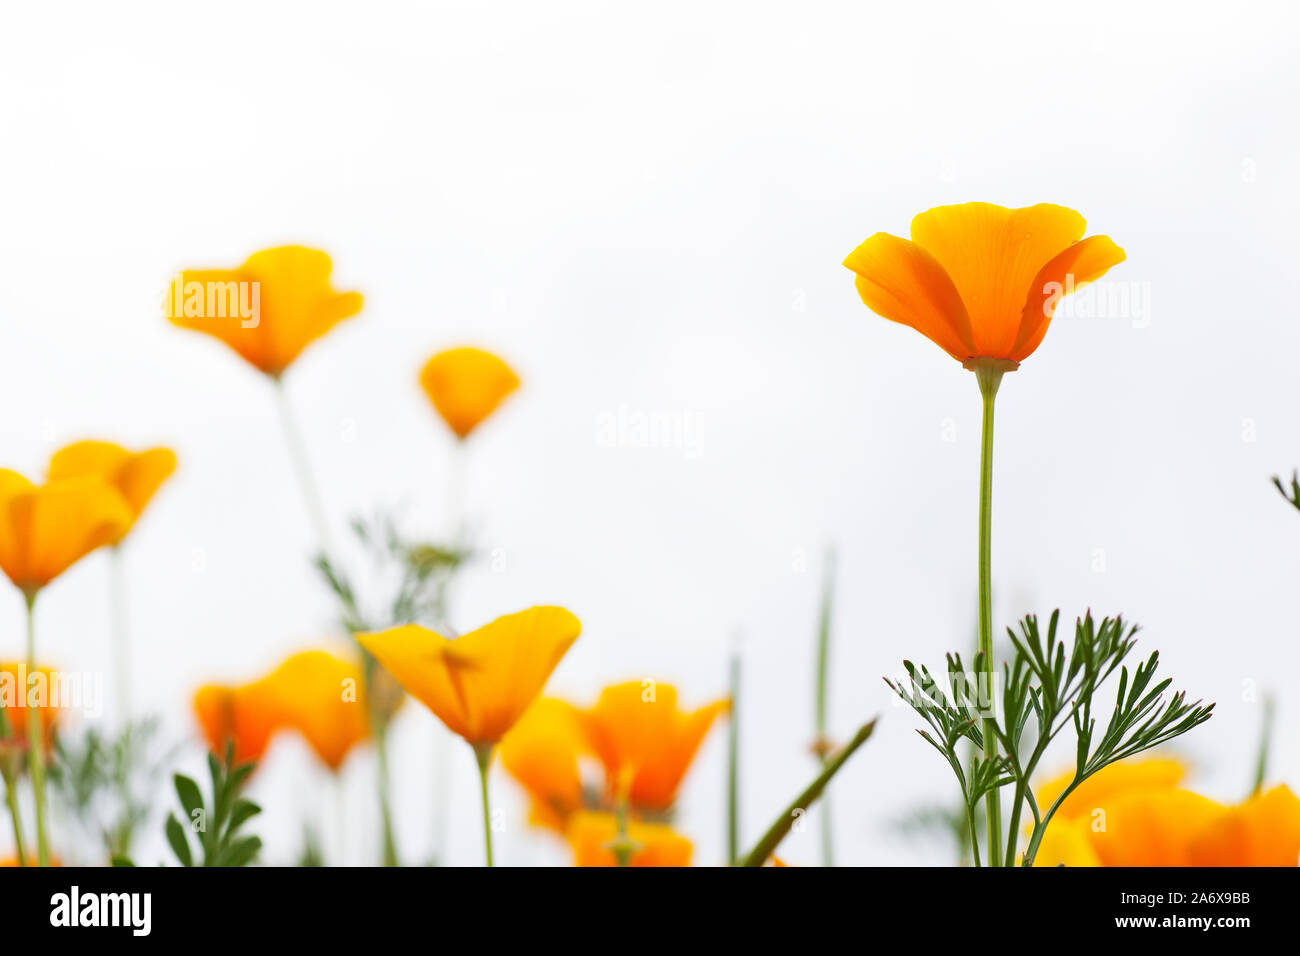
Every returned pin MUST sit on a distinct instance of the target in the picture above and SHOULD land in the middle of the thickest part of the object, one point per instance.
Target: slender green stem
(11, 796)
(302, 467)
(823, 694)
(483, 754)
(385, 807)
(733, 761)
(1265, 736)
(35, 743)
(622, 844)
(781, 826)
(989, 378)
(121, 641)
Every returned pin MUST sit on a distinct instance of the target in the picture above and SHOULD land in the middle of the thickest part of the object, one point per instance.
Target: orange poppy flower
(590, 834)
(542, 752)
(981, 281)
(247, 715)
(478, 685)
(320, 696)
(46, 529)
(466, 385)
(16, 686)
(136, 475)
(268, 310)
(1263, 831)
(645, 742)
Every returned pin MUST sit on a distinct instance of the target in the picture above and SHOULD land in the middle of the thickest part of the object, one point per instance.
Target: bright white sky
(645, 211)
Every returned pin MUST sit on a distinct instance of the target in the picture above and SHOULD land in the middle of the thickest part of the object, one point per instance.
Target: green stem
(483, 754)
(733, 762)
(823, 683)
(11, 796)
(989, 377)
(781, 826)
(302, 468)
(121, 643)
(622, 841)
(35, 745)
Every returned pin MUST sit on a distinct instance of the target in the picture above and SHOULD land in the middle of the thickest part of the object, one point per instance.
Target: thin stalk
(781, 826)
(120, 636)
(823, 693)
(989, 379)
(302, 467)
(483, 754)
(11, 796)
(622, 845)
(35, 746)
(733, 761)
(1265, 737)
(385, 807)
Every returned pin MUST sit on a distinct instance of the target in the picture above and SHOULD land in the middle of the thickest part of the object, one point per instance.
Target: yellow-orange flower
(981, 281)
(542, 752)
(466, 385)
(590, 834)
(136, 475)
(17, 684)
(247, 715)
(320, 696)
(46, 529)
(645, 742)
(1263, 831)
(268, 310)
(478, 685)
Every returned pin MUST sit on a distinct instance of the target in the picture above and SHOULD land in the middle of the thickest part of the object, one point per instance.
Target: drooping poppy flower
(466, 385)
(981, 281)
(542, 751)
(645, 742)
(590, 835)
(268, 310)
(136, 475)
(46, 529)
(19, 688)
(480, 684)
(247, 715)
(320, 696)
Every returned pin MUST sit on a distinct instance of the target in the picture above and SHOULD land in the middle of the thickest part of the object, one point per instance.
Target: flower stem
(35, 745)
(823, 682)
(483, 754)
(11, 796)
(989, 378)
(302, 468)
(120, 637)
(733, 761)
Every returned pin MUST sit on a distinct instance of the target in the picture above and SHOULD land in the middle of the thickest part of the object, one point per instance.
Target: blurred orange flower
(246, 715)
(136, 475)
(17, 684)
(645, 742)
(46, 529)
(320, 696)
(1134, 814)
(542, 752)
(981, 281)
(268, 310)
(478, 685)
(590, 834)
(466, 385)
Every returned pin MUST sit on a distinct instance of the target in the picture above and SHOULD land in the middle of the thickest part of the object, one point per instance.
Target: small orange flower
(1263, 831)
(466, 385)
(478, 685)
(246, 715)
(268, 310)
(542, 752)
(46, 529)
(18, 685)
(590, 835)
(136, 475)
(981, 281)
(645, 742)
(320, 696)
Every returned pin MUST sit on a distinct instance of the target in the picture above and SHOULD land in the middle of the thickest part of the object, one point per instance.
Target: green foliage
(1293, 495)
(1045, 689)
(216, 827)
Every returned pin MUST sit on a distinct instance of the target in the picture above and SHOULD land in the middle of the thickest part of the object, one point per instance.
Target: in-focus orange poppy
(45, 529)
(17, 684)
(480, 684)
(246, 715)
(466, 385)
(268, 310)
(645, 742)
(981, 281)
(542, 751)
(656, 844)
(136, 475)
(320, 696)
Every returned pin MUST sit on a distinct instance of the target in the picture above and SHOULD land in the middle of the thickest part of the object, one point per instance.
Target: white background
(645, 209)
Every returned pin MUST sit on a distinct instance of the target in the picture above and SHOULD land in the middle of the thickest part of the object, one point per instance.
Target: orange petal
(1084, 262)
(137, 475)
(902, 282)
(320, 696)
(590, 834)
(17, 684)
(1127, 776)
(1066, 843)
(245, 715)
(478, 685)
(992, 255)
(1150, 828)
(541, 751)
(466, 385)
(1263, 831)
